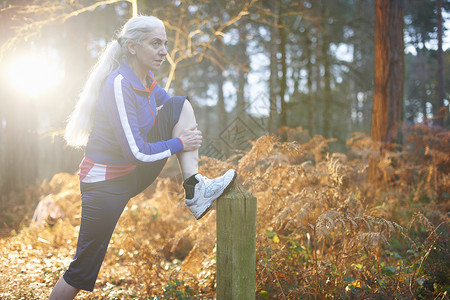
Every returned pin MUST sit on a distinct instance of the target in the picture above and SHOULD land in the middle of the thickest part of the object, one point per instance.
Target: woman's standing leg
(63, 291)
(102, 205)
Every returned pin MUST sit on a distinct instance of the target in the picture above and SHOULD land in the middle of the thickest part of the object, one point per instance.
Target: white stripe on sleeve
(127, 129)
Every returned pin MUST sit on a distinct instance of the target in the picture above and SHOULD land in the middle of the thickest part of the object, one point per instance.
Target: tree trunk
(283, 81)
(388, 81)
(309, 83)
(273, 80)
(243, 69)
(440, 68)
(326, 100)
(221, 101)
(380, 94)
(396, 71)
(220, 96)
(358, 104)
(21, 145)
(318, 83)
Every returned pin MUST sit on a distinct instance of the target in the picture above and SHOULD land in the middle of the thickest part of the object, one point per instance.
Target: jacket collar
(128, 73)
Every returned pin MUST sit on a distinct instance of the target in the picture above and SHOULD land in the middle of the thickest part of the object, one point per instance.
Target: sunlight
(34, 75)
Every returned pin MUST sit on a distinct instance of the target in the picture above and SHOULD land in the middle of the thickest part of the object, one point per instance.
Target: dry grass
(323, 231)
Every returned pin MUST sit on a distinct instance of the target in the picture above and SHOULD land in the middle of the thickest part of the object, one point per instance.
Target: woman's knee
(187, 108)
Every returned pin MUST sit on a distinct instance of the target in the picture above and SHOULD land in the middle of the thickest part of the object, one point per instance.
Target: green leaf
(389, 271)
(264, 294)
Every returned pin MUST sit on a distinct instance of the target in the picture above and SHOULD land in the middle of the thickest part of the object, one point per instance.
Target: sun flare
(34, 75)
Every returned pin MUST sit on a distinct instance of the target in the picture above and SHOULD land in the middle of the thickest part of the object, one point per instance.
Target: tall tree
(309, 83)
(243, 67)
(21, 147)
(283, 78)
(327, 96)
(396, 71)
(440, 67)
(220, 95)
(388, 80)
(388, 69)
(273, 79)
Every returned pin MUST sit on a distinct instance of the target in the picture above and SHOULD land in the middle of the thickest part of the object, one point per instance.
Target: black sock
(189, 186)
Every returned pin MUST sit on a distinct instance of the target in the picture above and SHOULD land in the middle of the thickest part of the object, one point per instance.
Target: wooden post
(236, 245)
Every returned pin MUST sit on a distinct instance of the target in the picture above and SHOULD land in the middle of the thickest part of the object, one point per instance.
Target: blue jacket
(125, 112)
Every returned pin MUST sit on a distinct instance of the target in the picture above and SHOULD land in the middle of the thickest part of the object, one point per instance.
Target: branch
(28, 30)
(63, 19)
(179, 54)
(220, 30)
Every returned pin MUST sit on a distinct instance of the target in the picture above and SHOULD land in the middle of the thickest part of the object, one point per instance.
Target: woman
(129, 127)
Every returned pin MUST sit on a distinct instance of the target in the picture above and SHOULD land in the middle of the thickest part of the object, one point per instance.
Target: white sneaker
(207, 190)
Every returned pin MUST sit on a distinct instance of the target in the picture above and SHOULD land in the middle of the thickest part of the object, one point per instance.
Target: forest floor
(323, 230)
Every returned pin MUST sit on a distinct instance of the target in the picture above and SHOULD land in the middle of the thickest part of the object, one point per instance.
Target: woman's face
(150, 53)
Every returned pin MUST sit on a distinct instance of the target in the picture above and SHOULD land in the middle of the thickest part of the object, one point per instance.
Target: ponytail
(80, 121)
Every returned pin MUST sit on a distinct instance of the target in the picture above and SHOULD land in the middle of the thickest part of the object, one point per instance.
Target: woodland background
(334, 113)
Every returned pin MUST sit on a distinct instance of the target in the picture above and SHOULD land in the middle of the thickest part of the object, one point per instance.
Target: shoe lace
(205, 180)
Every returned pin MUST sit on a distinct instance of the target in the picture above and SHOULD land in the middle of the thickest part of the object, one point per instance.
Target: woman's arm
(123, 117)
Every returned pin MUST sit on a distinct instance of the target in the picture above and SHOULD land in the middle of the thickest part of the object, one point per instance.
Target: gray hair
(80, 121)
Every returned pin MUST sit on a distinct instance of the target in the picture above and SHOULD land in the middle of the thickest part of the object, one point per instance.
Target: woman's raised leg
(188, 160)
(201, 192)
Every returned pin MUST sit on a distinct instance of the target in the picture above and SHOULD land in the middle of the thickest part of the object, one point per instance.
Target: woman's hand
(191, 138)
